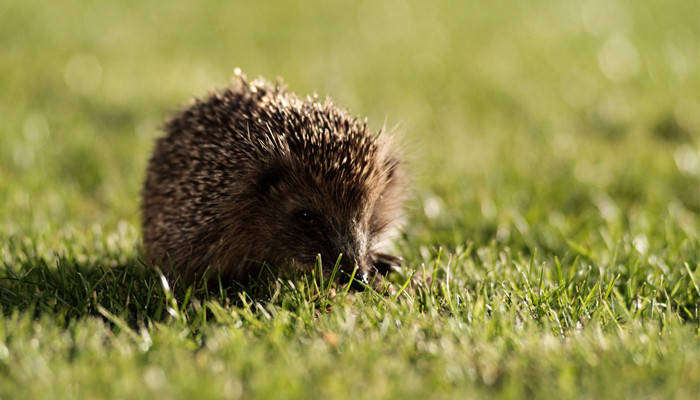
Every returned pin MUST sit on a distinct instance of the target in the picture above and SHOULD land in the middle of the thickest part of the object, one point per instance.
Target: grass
(553, 238)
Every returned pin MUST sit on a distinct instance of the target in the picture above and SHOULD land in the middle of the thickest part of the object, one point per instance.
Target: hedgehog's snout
(359, 280)
(352, 266)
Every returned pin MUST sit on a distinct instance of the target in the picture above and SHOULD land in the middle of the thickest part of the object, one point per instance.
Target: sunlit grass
(552, 243)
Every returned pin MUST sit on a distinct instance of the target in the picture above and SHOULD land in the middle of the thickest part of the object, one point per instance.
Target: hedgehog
(253, 179)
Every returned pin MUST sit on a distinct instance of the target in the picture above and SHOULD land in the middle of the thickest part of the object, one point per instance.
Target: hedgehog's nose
(349, 262)
(359, 281)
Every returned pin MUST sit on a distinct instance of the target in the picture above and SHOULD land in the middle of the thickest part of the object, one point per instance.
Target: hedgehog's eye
(306, 217)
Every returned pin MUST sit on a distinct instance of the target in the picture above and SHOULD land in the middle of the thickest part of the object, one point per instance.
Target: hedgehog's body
(254, 175)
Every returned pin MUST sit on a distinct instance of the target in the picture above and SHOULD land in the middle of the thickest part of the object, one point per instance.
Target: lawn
(552, 236)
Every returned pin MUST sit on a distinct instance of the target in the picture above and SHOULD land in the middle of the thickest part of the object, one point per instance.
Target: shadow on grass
(131, 291)
(136, 294)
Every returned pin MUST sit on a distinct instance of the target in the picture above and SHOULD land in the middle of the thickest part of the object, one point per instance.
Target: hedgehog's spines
(225, 185)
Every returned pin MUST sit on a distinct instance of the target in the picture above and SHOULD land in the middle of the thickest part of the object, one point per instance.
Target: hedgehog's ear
(391, 165)
(268, 180)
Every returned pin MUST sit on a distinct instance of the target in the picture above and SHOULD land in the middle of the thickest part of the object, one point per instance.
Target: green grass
(552, 242)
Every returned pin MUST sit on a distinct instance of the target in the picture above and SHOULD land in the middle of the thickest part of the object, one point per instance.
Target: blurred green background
(525, 122)
(553, 225)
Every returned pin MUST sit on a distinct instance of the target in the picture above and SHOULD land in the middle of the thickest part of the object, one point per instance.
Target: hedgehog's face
(316, 214)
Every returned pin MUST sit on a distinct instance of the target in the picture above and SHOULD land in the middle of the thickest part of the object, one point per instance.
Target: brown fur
(253, 174)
